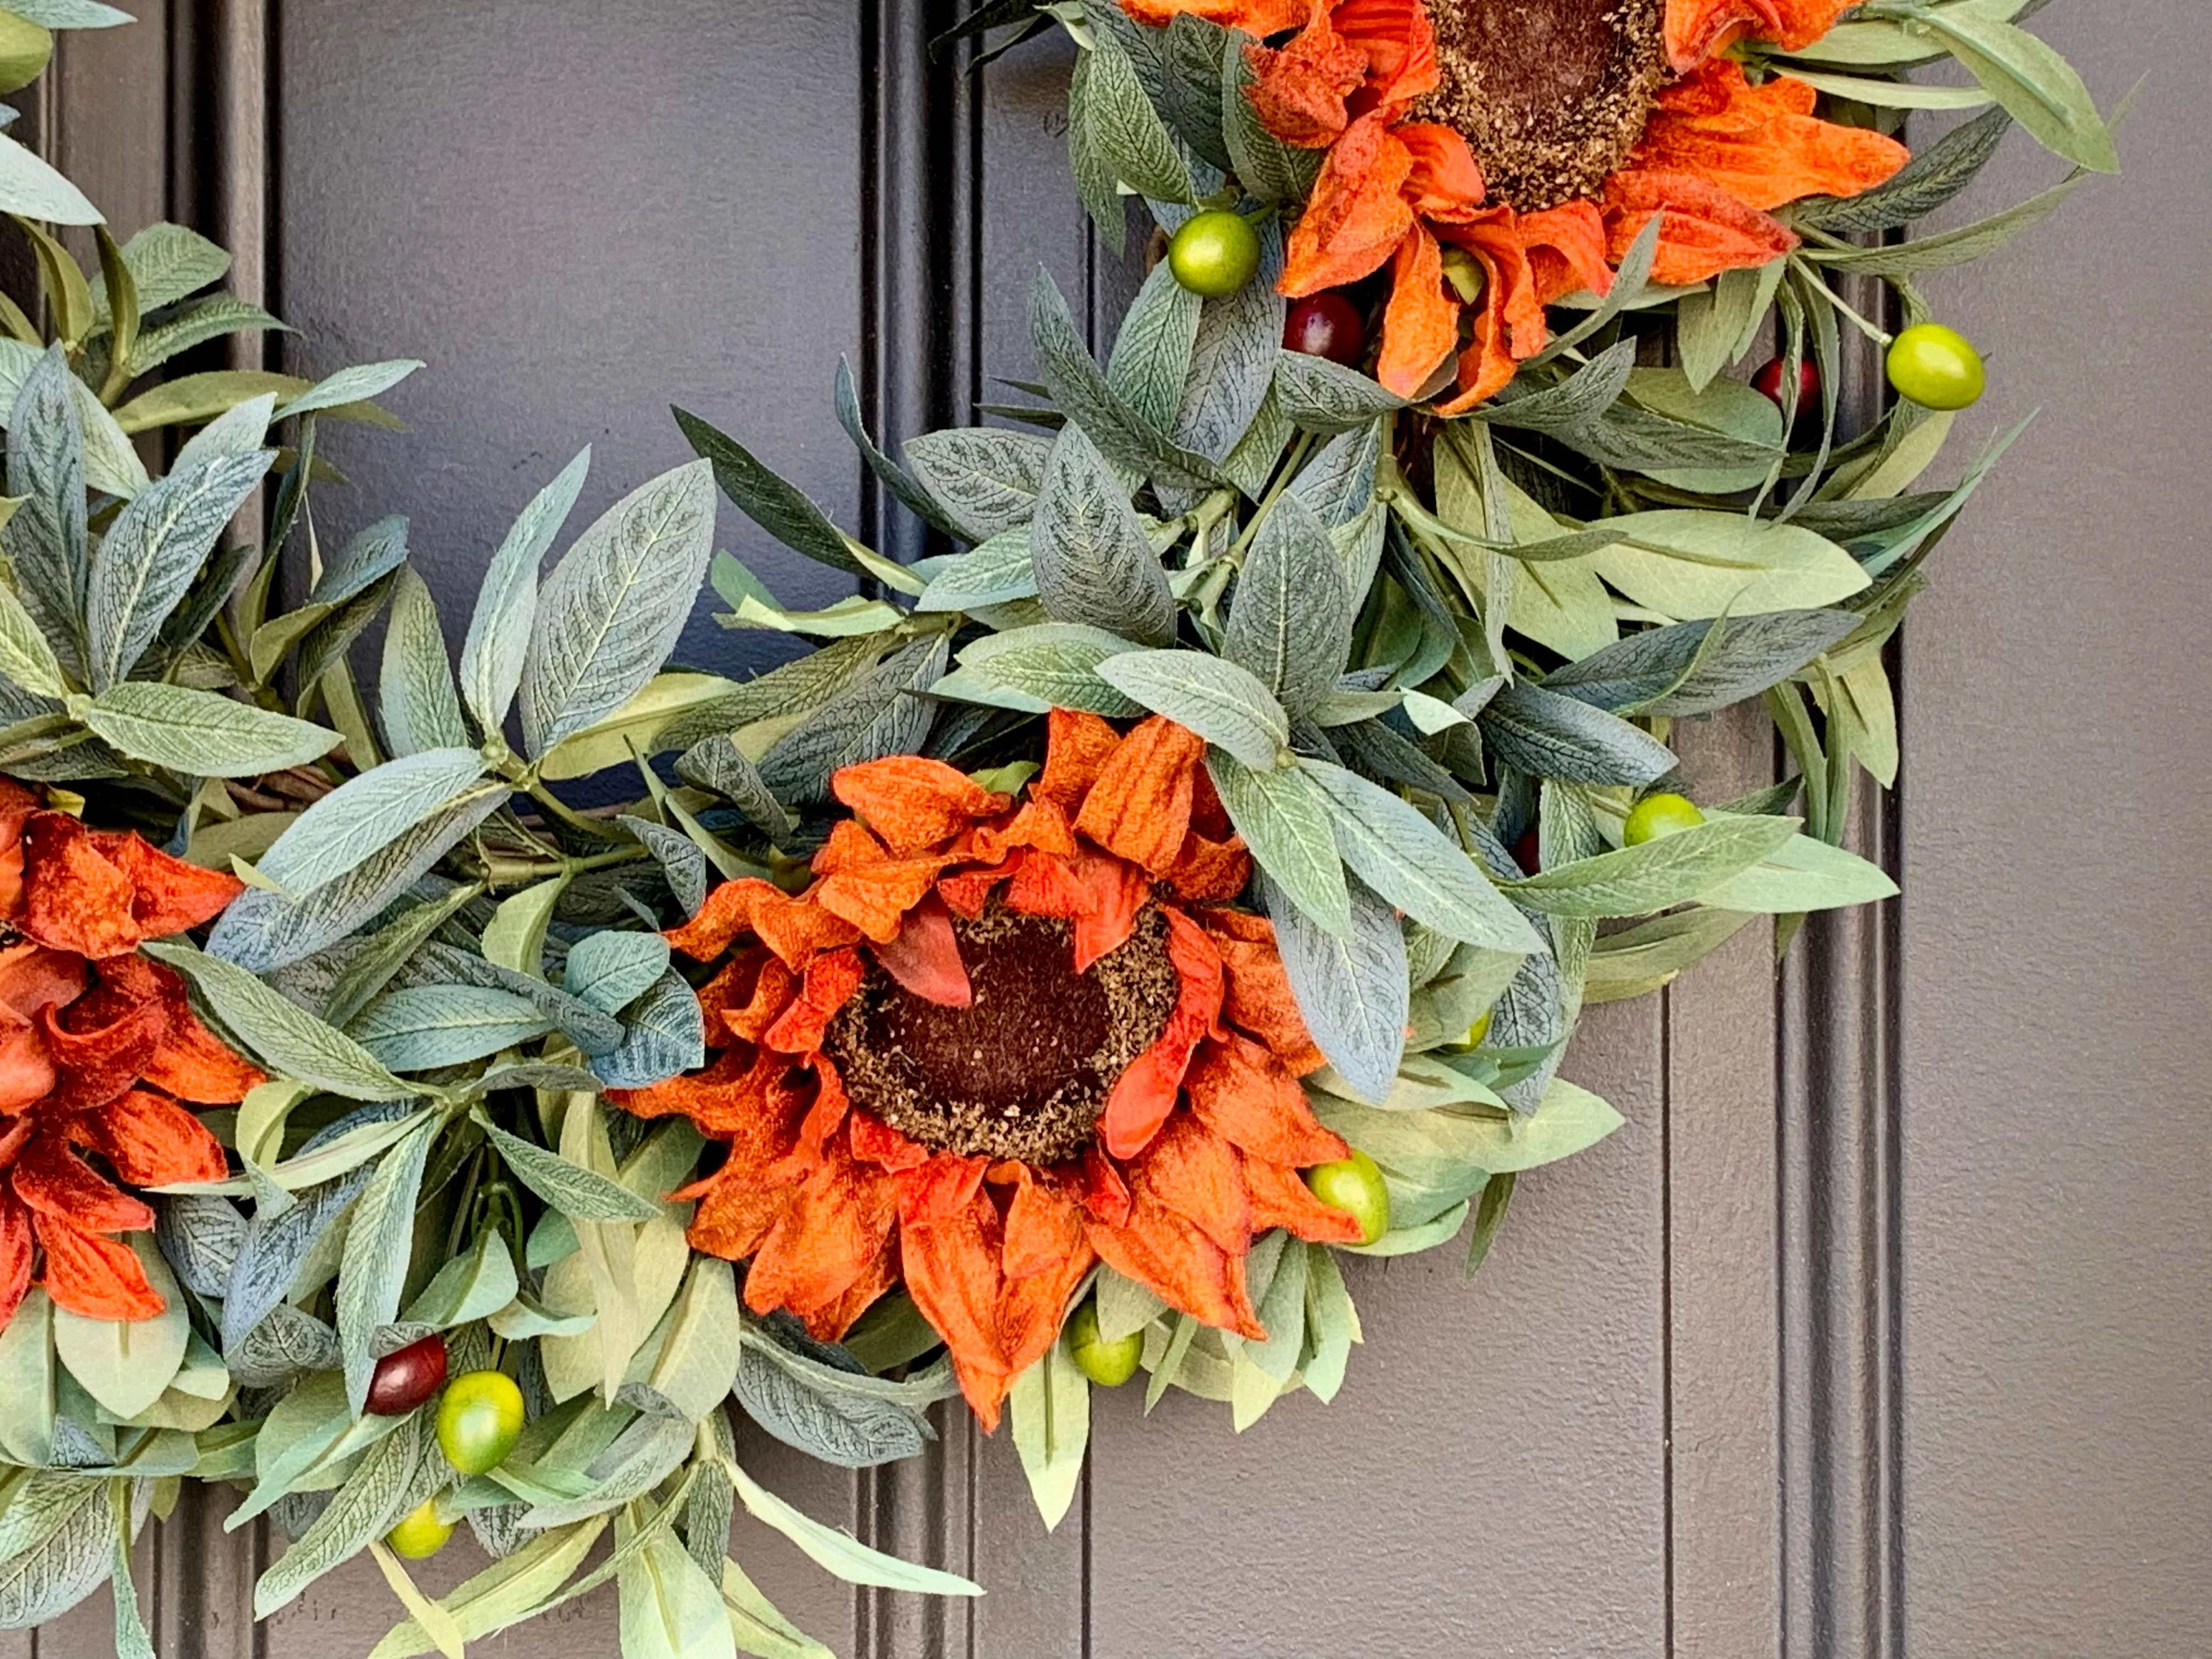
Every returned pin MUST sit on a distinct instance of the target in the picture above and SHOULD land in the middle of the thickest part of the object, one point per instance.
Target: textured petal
(1105, 1193)
(191, 1062)
(1400, 44)
(912, 802)
(1566, 250)
(1184, 1268)
(1762, 144)
(1256, 990)
(1299, 92)
(1445, 181)
(1241, 1092)
(1698, 29)
(168, 894)
(55, 1182)
(795, 929)
(1704, 230)
(968, 891)
(1280, 1199)
(875, 899)
(1031, 1309)
(1253, 16)
(28, 1075)
(876, 1142)
(1116, 893)
(1043, 1229)
(75, 898)
(747, 997)
(820, 1246)
(102, 1043)
(850, 847)
(1210, 871)
(733, 1215)
(1140, 807)
(1039, 823)
(32, 977)
(830, 1322)
(925, 957)
(942, 1186)
(1196, 1173)
(1421, 326)
(952, 1274)
(150, 1139)
(827, 985)
(15, 1242)
(1145, 1094)
(99, 1277)
(1356, 215)
(1077, 746)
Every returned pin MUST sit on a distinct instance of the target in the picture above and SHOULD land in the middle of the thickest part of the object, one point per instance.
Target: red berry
(1528, 852)
(1768, 384)
(1325, 324)
(406, 1378)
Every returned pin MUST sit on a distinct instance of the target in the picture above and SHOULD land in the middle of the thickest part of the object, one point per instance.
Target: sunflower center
(1024, 1071)
(1551, 95)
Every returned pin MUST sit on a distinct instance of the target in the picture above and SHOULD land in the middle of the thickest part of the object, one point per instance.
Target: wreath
(1186, 879)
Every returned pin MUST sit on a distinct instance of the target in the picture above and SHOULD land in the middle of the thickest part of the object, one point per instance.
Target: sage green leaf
(1049, 1414)
(125, 1365)
(984, 479)
(1932, 179)
(1266, 166)
(262, 930)
(153, 550)
(1349, 983)
(419, 1027)
(31, 188)
(613, 607)
(415, 691)
(196, 325)
(875, 715)
(1636, 881)
(719, 766)
(611, 970)
(1408, 861)
(775, 505)
(364, 814)
(371, 554)
(69, 1554)
(1047, 666)
(372, 1266)
(664, 1033)
(893, 476)
(1338, 484)
(1332, 1324)
(1319, 396)
(1096, 185)
(1081, 392)
(1698, 668)
(1799, 874)
(1290, 620)
(1232, 360)
(842, 1417)
(1192, 86)
(840, 1552)
(167, 262)
(356, 385)
(1283, 817)
(498, 642)
(1639, 960)
(364, 1508)
(192, 398)
(291, 1040)
(1224, 704)
(1093, 562)
(26, 658)
(1152, 356)
(1127, 131)
(992, 574)
(468, 1288)
(1547, 735)
(44, 540)
(201, 733)
(580, 1194)
(2030, 78)
(1569, 408)
(668, 1608)
(1941, 250)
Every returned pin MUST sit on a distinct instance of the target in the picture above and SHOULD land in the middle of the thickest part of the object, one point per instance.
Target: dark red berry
(406, 1378)
(1768, 384)
(1325, 324)
(1528, 852)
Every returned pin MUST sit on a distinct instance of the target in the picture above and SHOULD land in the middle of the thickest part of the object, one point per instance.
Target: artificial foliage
(1095, 937)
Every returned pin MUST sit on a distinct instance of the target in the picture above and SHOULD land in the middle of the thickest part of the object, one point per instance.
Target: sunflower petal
(913, 802)
(1420, 325)
(874, 900)
(1762, 144)
(1196, 1173)
(1298, 90)
(876, 1142)
(1280, 1199)
(823, 1243)
(952, 1272)
(1356, 215)
(1077, 746)
(55, 1182)
(75, 898)
(827, 985)
(151, 1140)
(1256, 988)
(1704, 229)
(1143, 1095)
(168, 894)
(1699, 29)
(191, 1062)
(1242, 1093)
(925, 957)
(99, 1277)
(1140, 807)
(1179, 1264)
(15, 1241)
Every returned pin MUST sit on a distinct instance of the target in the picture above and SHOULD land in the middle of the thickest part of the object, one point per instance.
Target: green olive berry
(1479, 1030)
(1660, 815)
(1214, 255)
(1936, 367)
(1354, 1185)
(420, 1533)
(479, 1420)
(1110, 1365)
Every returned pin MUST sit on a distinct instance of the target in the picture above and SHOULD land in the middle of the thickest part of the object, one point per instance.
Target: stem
(1879, 336)
(561, 810)
(1284, 476)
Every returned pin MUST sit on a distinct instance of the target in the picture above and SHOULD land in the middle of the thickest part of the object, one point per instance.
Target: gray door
(1885, 1327)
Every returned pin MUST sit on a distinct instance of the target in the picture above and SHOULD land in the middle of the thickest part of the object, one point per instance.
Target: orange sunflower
(98, 1049)
(1501, 154)
(995, 1041)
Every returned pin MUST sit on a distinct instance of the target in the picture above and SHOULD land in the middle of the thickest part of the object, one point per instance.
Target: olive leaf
(1093, 562)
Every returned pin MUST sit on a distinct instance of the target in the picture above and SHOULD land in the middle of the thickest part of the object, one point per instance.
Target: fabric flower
(1498, 155)
(997, 1040)
(98, 1049)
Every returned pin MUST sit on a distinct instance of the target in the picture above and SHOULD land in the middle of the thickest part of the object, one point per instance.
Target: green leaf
(364, 1509)
(1642, 959)
(125, 1365)
(25, 657)
(1550, 736)
(580, 1194)
(33, 189)
(1284, 818)
(1049, 665)
(1049, 1412)
(840, 1552)
(69, 1554)
(356, 385)
(201, 733)
(207, 319)
(1693, 564)
(664, 1034)
(668, 1608)
(1081, 393)
(1409, 861)
(364, 814)
(613, 607)
(1290, 622)
(288, 1039)
(1266, 166)
(1232, 361)
(839, 1417)
(1332, 1324)
(701, 1352)
(420, 1027)
(997, 571)
(498, 641)
(1799, 874)
(776, 506)
(1635, 881)
(1349, 984)
(167, 264)
(153, 550)
(1319, 396)
(1699, 668)
(416, 688)
(1093, 562)
(263, 931)
(373, 1267)
(514, 937)
(468, 1288)
(196, 397)
(1130, 136)
(1222, 702)
(1930, 180)
(611, 970)
(1152, 357)
(983, 479)
(2033, 79)
(1946, 248)
(893, 476)
(875, 715)
(45, 539)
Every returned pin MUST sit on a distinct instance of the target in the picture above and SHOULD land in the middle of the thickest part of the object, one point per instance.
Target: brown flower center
(1550, 94)
(1024, 1070)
